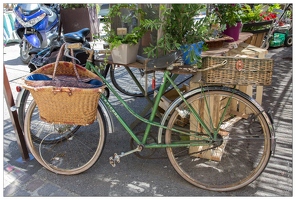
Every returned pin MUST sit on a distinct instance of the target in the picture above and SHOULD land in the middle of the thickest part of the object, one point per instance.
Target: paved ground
(28, 178)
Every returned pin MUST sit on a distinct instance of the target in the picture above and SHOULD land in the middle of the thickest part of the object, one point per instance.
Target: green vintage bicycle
(217, 138)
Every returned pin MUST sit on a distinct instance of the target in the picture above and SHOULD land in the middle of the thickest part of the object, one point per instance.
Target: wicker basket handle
(224, 62)
(59, 57)
(57, 90)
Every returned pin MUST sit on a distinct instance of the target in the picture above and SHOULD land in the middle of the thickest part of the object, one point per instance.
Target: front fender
(107, 116)
(19, 97)
(33, 40)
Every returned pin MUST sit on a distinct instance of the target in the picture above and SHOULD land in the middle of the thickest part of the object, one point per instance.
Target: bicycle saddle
(78, 36)
(164, 62)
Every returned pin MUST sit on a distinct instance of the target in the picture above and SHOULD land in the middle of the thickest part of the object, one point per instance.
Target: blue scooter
(37, 25)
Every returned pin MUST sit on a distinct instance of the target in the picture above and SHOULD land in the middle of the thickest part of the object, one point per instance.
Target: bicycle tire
(236, 157)
(25, 101)
(72, 156)
(120, 77)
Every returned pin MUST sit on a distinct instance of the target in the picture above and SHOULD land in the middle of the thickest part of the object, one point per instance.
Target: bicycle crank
(116, 158)
(147, 152)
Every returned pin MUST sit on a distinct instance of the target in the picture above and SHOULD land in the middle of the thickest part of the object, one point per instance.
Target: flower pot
(187, 49)
(125, 54)
(233, 31)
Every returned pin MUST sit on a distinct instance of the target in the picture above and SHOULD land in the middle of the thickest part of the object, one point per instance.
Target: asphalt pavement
(135, 177)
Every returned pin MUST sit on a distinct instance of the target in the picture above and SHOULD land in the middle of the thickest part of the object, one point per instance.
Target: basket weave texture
(251, 71)
(63, 101)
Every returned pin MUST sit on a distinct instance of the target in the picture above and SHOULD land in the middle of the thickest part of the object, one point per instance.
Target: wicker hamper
(68, 97)
(237, 70)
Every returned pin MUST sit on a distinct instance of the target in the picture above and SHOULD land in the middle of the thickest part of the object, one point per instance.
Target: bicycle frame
(150, 122)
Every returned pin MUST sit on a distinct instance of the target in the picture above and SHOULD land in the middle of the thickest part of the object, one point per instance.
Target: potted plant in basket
(124, 28)
(230, 18)
(180, 31)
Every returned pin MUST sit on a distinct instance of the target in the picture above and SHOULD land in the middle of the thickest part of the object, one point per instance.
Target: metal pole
(14, 119)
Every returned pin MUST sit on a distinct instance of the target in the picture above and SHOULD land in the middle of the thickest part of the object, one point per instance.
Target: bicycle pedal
(113, 159)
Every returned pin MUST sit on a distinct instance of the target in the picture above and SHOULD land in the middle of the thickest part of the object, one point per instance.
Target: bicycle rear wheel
(68, 156)
(124, 82)
(238, 154)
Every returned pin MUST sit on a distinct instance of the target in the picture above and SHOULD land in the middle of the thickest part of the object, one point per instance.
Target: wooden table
(228, 45)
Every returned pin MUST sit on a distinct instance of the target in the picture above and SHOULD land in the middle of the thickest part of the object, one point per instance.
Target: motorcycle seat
(78, 36)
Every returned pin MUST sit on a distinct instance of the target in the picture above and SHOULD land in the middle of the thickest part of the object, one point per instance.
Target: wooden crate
(259, 30)
(167, 99)
(217, 153)
(249, 50)
(169, 96)
(216, 110)
(256, 39)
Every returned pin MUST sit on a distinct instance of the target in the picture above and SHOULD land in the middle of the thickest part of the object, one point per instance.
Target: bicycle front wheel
(130, 83)
(68, 156)
(232, 158)
(26, 99)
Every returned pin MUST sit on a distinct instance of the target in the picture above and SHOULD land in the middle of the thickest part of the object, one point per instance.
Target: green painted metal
(201, 140)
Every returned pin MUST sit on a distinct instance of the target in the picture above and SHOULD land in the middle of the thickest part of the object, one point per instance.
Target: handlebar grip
(74, 46)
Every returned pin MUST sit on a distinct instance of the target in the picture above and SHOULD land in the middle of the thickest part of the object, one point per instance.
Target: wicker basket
(65, 99)
(237, 70)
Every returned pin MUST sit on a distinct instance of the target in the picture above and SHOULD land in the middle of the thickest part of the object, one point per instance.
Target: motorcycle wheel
(24, 52)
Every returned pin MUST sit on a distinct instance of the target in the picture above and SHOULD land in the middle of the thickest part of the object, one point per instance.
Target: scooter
(37, 25)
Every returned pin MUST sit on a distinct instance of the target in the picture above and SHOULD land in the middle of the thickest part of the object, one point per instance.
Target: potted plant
(180, 31)
(77, 16)
(124, 27)
(230, 18)
(216, 37)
